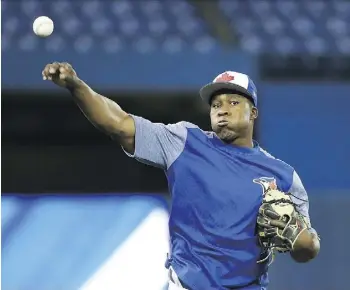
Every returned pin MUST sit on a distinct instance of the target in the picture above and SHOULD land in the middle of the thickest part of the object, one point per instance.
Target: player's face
(232, 116)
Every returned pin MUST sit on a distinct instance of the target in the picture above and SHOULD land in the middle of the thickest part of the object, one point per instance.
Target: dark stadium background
(296, 52)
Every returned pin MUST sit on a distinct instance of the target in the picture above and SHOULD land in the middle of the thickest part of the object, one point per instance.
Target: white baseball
(43, 26)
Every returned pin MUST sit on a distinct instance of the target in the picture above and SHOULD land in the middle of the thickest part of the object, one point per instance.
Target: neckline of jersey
(234, 148)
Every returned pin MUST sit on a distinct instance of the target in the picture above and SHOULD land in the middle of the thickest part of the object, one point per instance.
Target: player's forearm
(102, 112)
(306, 247)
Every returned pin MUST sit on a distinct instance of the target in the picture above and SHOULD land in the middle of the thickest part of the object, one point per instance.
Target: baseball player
(217, 181)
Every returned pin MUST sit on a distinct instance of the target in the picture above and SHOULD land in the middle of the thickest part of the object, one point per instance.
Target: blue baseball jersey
(216, 191)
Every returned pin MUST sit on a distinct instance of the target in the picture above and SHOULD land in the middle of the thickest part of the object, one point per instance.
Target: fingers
(67, 65)
(277, 223)
(265, 221)
(45, 72)
(56, 69)
(268, 233)
(50, 70)
(53, 69)
(270, 213)
(63, 72)
(270, 223)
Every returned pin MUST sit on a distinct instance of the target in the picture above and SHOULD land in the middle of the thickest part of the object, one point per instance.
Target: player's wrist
(75, 84)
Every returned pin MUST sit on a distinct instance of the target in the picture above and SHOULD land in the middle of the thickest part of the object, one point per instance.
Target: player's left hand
(277, 231)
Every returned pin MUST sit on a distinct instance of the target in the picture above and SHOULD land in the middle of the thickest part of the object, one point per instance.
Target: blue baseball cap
(232, 81)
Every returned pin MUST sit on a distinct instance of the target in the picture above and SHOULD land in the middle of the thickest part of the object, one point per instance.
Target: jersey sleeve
(301, 200)
(158, 144)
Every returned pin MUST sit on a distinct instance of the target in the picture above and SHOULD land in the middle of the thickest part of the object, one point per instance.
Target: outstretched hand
(62, 74)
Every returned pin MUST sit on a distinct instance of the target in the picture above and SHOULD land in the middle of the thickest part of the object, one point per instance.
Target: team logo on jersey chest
(267, 183)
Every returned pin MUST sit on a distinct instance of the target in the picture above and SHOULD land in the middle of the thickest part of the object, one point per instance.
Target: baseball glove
(278, 224)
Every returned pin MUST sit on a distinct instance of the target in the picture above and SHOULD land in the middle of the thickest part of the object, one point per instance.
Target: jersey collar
(235, 149)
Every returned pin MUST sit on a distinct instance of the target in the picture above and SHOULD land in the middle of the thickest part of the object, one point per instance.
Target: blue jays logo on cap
(230, 80)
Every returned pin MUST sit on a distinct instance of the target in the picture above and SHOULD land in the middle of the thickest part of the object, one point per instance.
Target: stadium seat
(318, 27)
(113, 26)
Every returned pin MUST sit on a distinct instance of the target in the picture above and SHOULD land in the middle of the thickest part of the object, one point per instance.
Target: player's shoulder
(191, 131)
(181, 129)
(184, 125)
(177, 128)
(272, 158)
(198, 130)
(285, 172)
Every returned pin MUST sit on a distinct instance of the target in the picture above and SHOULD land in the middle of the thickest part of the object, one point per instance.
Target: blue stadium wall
(114, 242)
(303, 123)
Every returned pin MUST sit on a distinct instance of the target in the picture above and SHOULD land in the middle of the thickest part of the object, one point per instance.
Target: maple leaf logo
(225, 77)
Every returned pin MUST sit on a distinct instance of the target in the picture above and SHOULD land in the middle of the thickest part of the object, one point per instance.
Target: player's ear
(253, 113)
